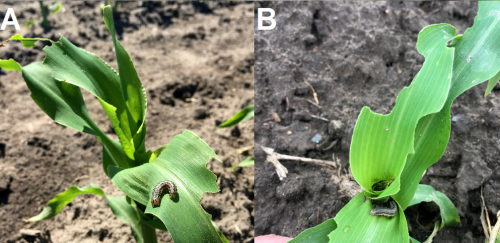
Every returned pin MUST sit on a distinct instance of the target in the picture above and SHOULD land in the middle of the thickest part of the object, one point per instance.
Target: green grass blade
(491, 83)
(481, 42)
(380, 143)
(183, 161)
(243, 115)
(10, 65)
(317, 234)
(355, 224)
(449, 214)
(121, 209)
(247, 162)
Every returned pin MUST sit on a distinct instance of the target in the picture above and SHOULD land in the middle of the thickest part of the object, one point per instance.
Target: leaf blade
(183, 162)
(355, 224)
(121, 209)
(10, 65)
(243, 115)
(132, 90)
(317, 234)
(247, 162)
(449, 214)
(380, 143)
(491, 83)
(433, 131)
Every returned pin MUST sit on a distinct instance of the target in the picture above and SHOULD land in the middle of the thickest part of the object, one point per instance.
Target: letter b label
(261, 18)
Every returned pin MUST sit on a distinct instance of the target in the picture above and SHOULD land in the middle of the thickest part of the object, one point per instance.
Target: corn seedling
(390, 153)
(179, 168)
(106, 3)
(243, 115)
(52, 9)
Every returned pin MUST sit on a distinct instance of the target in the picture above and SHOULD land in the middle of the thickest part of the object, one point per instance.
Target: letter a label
(10, 14)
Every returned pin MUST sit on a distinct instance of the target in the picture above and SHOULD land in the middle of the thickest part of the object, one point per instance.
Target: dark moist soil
(358, 54)
(196, 63)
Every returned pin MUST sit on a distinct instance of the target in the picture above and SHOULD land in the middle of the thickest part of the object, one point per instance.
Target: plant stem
(45, 13)
(434, 232)
(494, 232)
(148, 233)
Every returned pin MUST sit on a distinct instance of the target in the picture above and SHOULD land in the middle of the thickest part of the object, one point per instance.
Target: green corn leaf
(378, 156)
(63, 102)
(10, 65)
(30, 23)
(68, 64)
(380, 143)
(126, 213)
(107, 159)
(27, 42)
(157, 152)
(355, 224)
(45, 13)
(121, 209)
(55, 7)
(491, 83)
(222, 236)
(88, 71)
(247, 162)
(183, 161)
(152, 221)
(131, 87)
(449, 214)
(79, 67)
(317, 234)
(413, 240)
(243, 115)
(477, 59)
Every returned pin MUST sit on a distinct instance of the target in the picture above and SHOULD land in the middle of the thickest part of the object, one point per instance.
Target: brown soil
(357, 55)
(197, 51)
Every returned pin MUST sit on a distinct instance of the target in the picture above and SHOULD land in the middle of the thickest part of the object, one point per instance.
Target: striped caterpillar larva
(158, 190)
(381, 210)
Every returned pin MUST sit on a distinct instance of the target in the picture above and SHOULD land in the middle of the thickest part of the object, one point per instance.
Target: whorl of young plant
(55, 87)
(390, 153)
(106, 3)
